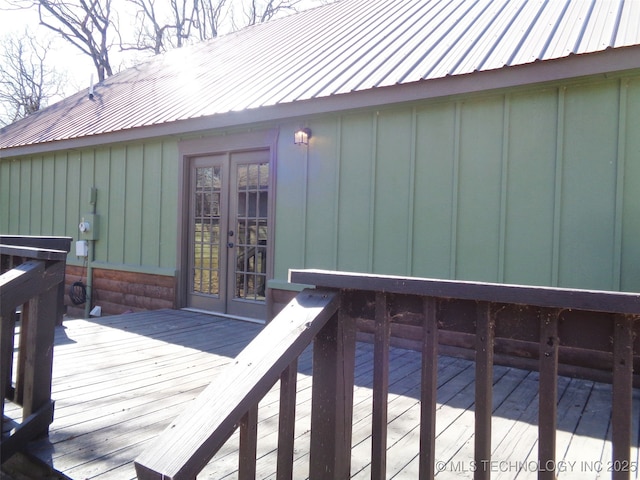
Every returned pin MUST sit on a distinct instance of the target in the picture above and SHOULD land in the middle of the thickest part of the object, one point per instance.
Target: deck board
(119, 381)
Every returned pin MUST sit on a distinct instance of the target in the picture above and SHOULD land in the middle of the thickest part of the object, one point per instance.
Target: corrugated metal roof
(347, 46)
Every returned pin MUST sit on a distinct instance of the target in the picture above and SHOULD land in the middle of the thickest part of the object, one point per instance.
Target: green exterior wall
(137, 196)
(528, 186)
(533, 186)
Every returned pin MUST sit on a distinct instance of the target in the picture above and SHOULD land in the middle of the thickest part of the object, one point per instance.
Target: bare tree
(159, 28)
(26, 83)
(258, 11)
(209, 17)
(83, 23)
(149, 34)
(188, 20)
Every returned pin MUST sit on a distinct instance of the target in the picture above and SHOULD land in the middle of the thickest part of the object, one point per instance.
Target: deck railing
(32, 282)
(559, 321)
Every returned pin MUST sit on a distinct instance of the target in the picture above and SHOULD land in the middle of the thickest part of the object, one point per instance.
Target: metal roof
(345, 47)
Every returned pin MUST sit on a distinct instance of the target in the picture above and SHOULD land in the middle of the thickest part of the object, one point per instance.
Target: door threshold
(225, 315)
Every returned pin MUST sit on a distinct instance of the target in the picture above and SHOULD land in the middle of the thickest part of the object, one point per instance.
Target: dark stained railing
(558, 321)
(32, 281)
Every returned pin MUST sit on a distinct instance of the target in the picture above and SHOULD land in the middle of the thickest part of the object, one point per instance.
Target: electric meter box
(89, 226)
(82, 248)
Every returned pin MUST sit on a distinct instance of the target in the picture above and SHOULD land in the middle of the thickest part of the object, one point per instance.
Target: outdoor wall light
(302, 136)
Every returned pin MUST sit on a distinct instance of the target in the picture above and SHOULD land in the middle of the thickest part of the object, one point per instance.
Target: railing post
(287, 421)
(622, 396)
(429, 393)
(7, 334)
(31, 276)
(548, 397)
(485, 332)
(382, 339)
(332, 399)
(39, 331)
(248, 445)
(23, 348)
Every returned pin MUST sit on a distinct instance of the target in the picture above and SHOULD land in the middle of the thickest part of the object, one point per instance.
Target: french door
(229, 225)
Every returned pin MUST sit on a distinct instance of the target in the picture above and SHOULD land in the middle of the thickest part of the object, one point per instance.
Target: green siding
(73, 200)
(133, 183)
(355, 193)
(48, 196)
(116, 207)
(136, 201)
(434, 191)
(290, 206)
(530, 188)
(24, 198)
(36, 215)
(588, 187)
(5, 195)
(151, 201)
(479, 188)
(523, 186)
(392, 192)
(102, 183)
(526, 186)
(60, 197)
(322, 196)
(168, 211)
(630, 259)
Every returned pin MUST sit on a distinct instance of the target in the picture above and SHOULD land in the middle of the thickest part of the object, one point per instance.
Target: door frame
(216, 145)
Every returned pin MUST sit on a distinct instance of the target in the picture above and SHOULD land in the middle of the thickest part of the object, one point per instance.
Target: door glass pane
(206, 231)
(251, 225)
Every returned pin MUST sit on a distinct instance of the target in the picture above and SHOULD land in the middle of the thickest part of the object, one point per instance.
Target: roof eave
(571, 67)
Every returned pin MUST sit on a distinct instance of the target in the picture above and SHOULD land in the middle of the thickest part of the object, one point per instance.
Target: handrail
(187, 445)
(481, 317)
(538, 296)
(31, 277)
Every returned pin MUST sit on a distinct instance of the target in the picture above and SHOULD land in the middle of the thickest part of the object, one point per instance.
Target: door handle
(230, 245)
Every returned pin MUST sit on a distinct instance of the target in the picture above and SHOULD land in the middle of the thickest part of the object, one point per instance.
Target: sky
(66, 58)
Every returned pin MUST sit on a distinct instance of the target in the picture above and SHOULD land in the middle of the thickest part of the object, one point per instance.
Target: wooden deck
(119, 381)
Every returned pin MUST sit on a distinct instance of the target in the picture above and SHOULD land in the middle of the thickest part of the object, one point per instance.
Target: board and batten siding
(528, 186)
(137, 193)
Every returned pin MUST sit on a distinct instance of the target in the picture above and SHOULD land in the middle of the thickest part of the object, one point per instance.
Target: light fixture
(302, 136)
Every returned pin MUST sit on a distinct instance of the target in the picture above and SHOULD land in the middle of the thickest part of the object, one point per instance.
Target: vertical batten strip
(485, 332)
(161, 176)
(26, 174)
(287, 422)
(372, 192)
(248, 445)
(548, 392)
(336, 200)
(104, 205)
(620, 169)
(305, 201)
(429, 385)
(382, 339)
(455, 185)
(144, 151)
(622, 396)
(557, 200)
(504, 174)
(412, 189)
